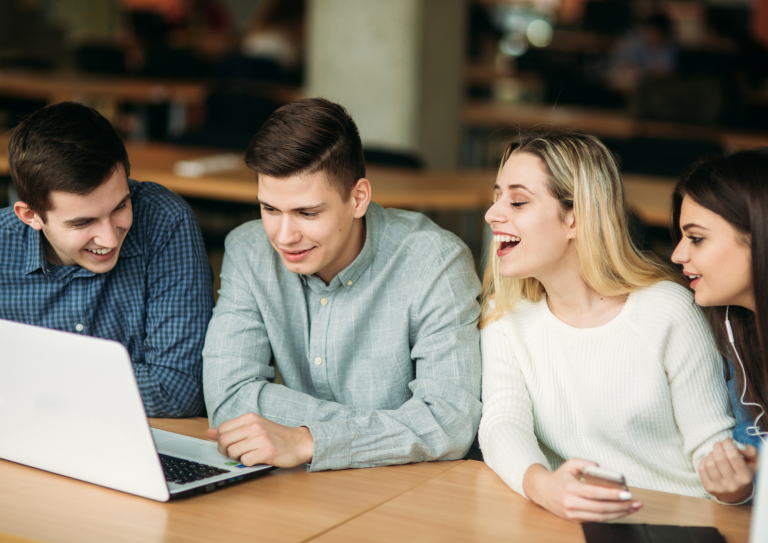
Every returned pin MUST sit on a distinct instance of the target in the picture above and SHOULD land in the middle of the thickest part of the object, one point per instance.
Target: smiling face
(312, 229)
(88, 230)
(715, 256)
(533, 232)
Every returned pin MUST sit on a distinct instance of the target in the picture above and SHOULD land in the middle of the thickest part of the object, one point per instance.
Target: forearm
(510, 451)
(275, 402)
(168, 393)
(422, 429)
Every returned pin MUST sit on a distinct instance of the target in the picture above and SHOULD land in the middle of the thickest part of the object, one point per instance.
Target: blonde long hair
(583, 177)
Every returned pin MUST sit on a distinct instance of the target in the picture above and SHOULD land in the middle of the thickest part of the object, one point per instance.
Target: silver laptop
(758, 532)
(70, 405)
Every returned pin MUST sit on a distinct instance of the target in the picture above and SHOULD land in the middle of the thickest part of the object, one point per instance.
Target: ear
(360, 197)
(570, 221)
(28, 216)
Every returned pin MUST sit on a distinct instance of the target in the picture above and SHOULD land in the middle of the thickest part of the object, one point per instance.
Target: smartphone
(603, 477)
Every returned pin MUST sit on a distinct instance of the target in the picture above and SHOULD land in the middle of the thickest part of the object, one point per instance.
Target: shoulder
(157, 203)
(412, 235)
(665, 300)
(518, 323)
(248, 237)
(666, 309)
(9, 220)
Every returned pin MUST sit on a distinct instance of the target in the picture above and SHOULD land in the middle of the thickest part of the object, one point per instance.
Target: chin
(511, 272)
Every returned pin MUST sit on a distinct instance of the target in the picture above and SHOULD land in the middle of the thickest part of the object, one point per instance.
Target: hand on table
(561, 492)
(251, 439)
(727, 472)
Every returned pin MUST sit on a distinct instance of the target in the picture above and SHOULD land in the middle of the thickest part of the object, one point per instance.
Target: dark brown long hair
(736, 188)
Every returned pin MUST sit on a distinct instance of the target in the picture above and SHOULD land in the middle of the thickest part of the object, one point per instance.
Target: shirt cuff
(332, 446)
(744, 502)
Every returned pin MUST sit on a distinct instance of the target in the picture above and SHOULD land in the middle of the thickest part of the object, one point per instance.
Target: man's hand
(727, 472)
(251, 439)
(562, 493)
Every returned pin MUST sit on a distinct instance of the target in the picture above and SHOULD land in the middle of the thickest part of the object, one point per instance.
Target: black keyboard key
(178, 470)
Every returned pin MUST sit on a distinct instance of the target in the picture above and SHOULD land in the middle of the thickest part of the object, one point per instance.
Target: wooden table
(59, 86)
(600, 122)
(286, 505)
(470, 503)
(434, 501)
(649, 197)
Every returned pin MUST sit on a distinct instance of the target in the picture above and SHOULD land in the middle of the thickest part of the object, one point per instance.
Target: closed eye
(517, 204)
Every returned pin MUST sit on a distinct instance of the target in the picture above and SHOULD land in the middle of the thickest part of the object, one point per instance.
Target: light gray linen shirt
(382, 365)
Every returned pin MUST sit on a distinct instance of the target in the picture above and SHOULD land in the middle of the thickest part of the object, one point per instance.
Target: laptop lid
(758, 532)
(71, 406)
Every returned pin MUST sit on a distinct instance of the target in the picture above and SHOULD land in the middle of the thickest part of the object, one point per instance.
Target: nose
(108, 234)
(680, 254)
(288, 233)
(494, 214)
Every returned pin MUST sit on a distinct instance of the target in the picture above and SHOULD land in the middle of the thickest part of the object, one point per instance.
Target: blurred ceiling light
(539, 33)
(513, 45)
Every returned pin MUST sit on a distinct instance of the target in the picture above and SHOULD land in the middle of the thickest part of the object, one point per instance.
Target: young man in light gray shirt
(370, 315)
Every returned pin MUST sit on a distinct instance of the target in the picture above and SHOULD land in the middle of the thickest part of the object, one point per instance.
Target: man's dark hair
(308, 136)
(64, 147)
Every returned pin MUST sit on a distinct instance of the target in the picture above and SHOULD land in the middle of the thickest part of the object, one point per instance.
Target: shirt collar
(349, 275)
(34, 256)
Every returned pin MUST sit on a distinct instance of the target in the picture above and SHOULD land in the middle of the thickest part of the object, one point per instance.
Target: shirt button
(323, 301)
(349, 282)
(318, 361)
(79, 327)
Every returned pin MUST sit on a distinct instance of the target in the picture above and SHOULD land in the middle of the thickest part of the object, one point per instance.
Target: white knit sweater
(643, 394)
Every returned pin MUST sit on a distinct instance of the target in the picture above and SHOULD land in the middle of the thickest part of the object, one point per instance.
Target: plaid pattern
(156, 301)
(382, 365)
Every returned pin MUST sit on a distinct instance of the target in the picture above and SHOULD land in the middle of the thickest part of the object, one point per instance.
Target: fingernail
(637, 505)
(624, 495)
(741, 446)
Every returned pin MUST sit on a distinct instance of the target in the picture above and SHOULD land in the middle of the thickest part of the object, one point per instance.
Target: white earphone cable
(753, 430)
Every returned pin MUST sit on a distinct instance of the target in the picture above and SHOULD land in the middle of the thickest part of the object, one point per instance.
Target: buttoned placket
(320, 305)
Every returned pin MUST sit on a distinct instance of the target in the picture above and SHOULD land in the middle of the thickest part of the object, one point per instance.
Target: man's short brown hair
(309, 136)
(64, 147)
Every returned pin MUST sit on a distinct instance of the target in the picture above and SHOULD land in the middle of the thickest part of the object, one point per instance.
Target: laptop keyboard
(180, 471)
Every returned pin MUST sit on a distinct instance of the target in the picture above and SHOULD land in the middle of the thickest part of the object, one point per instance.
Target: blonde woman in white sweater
(593, 352)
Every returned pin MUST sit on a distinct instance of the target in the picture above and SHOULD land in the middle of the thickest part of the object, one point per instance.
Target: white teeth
(693, 277)
(499, 238)
(99, 251)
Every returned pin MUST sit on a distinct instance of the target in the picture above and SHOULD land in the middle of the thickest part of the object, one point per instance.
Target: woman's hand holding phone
(728, 471)
(563, 493)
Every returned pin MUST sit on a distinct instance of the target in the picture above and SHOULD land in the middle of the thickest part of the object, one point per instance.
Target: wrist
(306, 444)
(535, 477)
(736, 498)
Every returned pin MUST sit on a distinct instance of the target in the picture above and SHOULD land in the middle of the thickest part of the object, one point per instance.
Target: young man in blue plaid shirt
(87, 250)
(369, 314)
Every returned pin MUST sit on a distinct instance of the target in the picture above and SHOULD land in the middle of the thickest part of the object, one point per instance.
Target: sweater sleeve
(507, 437)
(696, 380)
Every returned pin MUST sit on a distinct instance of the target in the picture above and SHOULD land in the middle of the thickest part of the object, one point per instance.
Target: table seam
(313, 537)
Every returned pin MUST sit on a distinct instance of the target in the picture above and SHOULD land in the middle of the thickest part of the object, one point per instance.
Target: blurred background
(437, 88)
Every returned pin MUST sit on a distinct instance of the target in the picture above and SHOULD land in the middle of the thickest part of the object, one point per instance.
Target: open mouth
(101, 254)
(506, 243)
(694, 279)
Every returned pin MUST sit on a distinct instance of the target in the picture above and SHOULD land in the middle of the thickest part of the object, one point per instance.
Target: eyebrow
(512, 187)
(80, 220)
(692, 225)
(302, 208)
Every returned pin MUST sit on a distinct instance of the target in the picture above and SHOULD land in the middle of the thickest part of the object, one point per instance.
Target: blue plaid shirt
(156, 301)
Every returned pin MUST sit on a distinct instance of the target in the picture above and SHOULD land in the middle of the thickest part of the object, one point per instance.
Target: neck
(574, 302)
(350, 253)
